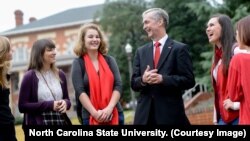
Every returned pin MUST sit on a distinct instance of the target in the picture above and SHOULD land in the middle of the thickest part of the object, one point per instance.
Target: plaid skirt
(53, 118)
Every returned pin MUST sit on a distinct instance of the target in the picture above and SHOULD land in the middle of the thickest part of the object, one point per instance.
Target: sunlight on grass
(19, 133)
(75, 121)
(129, 117)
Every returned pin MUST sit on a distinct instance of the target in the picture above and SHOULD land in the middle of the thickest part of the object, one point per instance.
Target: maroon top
(28, 99)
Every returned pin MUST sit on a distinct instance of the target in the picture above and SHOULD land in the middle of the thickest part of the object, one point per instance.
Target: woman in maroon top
(43, 95)
(221, 34)
(238, 78)
(7, 128)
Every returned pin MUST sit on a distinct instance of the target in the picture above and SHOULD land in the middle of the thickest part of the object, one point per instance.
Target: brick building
(62, 28)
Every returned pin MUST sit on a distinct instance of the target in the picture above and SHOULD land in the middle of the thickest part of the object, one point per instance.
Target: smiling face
(213, 31)
(49, 56)
(92, 40)
(151, 25)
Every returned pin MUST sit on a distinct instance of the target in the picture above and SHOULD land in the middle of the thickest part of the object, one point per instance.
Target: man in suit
(162, 70)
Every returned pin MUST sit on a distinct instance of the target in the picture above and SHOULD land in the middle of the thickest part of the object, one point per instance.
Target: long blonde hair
(80, 48)
(4, 65)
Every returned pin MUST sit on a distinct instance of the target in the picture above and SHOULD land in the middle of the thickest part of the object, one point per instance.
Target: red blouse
(220, 95)
(238, 87)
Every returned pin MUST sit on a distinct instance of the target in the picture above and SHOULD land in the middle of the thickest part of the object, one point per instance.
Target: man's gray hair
(158, 14)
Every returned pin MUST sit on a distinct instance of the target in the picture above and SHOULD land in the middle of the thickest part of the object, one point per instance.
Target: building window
(69, 48)
(20, 54)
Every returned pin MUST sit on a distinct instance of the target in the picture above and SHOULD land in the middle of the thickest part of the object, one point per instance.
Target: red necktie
(157, 53)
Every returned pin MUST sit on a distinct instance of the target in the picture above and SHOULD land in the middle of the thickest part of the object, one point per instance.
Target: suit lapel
(165, 52)
(149, 56)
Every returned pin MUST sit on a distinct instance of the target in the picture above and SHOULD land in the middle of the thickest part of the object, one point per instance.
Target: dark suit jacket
(175, 65)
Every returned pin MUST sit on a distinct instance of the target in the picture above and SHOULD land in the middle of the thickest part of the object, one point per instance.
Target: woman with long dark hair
(43, 96)
(220, 34)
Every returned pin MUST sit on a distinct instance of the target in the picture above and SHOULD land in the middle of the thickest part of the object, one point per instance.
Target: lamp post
(128, 49)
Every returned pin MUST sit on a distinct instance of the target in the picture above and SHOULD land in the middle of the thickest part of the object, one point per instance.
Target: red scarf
(101, 87)
(218, 54)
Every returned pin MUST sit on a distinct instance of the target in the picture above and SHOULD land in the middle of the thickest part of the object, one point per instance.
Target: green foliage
(206, 67)
(236, 9)
(203, 9)
(240, 12)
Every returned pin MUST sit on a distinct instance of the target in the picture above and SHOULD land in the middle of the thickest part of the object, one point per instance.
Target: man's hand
(155, 78)
(147, 74)
(151, 76)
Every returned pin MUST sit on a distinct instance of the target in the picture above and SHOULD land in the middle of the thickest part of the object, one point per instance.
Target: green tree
(236, 9)
(121, 19)
(203, 10)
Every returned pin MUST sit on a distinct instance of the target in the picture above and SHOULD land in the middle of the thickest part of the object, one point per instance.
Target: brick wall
(200, 109)
(201, 118)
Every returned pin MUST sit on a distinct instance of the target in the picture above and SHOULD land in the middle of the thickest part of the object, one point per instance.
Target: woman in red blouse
(221, 34)
(238, 78)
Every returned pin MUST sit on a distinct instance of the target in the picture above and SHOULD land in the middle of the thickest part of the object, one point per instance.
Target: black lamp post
(128, 49)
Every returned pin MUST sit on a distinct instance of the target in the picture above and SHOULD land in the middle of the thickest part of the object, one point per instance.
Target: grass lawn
(128, 120)
(19, 133)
